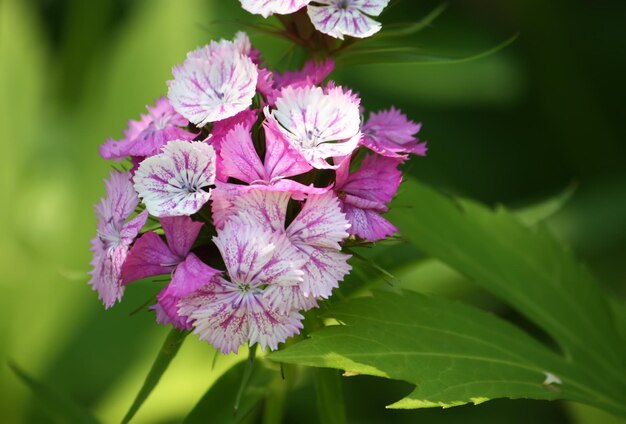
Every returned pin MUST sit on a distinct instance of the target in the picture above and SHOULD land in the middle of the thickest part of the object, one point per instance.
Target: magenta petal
(148, 257)
(190, 275)
(376, 180)
(368, 224)
(281, 160)
(239, 158)
(220, 129)
(390, 133)
(181, 232)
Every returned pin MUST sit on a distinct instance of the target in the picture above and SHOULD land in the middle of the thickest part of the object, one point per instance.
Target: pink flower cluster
(336, 18)
(254, 181)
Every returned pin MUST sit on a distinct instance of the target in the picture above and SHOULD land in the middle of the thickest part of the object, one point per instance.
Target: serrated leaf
(57, 405)
(454, 353)
(217, 405)
(527, 268)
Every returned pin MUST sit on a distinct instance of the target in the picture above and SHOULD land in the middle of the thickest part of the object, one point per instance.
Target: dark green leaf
(454, 353)
(525, 267)
(403, 30)
(168, 351)
(408, 54)
(218, 404)
(57, 405)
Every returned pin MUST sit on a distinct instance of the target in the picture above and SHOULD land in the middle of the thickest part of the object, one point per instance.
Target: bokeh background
(513, 128)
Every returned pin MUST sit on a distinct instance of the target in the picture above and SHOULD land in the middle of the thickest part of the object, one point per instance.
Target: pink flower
(313, 73)
(270, 7)
(390, 133)
(365, 194)
(220, 129)
(114, 236)
(176, 182)
(146, 136)
(315, 232)
(317, 124)
(346, 17)
(151, 256)
(215, 82)
(230, 312)
(241, 161)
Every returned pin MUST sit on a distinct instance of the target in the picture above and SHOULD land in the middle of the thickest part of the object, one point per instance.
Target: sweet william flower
(339, 18)
(318, 124)
(365, 194)
(390, 133)
(215, 82)
(315, 232)
(177, 181)
(241, 161)
(151, 256)
(146, 136)
(114, 236)
(230, 312)
(266, 8)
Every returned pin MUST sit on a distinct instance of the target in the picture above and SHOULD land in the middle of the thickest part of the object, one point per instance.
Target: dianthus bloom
(270, 7)
(317, 123)
(229, 312)
(146, 136)
(114, 236)
(338, 18)
(215, 82)
(253, 205)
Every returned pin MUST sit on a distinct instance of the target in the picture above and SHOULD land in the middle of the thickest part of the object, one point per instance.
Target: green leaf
(539, 212)
(409, 54)
(525, 267)
(403, 30)
(454, 353)
(218, 404)
(330, 403)
(168, 351)
(57, 405)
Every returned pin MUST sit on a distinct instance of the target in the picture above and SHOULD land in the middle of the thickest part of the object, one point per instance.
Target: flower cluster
(244, 187)
(337, 18)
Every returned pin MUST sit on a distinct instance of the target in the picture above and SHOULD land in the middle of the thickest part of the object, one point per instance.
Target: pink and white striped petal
(317, 124)
(176, 182)
(320, 223)
(266, 8)
(213, 84)
(339, 18)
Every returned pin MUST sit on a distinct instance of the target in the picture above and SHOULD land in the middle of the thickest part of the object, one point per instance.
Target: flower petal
(171, 183)
(346, 17)
(239, 158)
(317, 124)
(320, 223)
(270, 7)
(148, 257)
(213, 85)
(390, 133)
(368, 224)
(181, 232)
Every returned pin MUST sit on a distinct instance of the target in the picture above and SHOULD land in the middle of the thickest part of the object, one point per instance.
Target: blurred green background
(513, 128)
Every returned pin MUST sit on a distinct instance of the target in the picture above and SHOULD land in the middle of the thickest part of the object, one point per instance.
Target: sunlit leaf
(453, 353)
(168, 351)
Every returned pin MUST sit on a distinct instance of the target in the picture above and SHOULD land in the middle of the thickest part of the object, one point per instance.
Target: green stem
(330, 403)
(168, 351)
